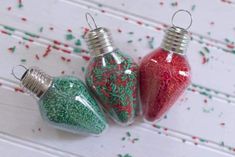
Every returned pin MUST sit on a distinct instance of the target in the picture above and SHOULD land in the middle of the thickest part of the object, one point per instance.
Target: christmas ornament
(64, 102)
(165, 73)
(111, 76)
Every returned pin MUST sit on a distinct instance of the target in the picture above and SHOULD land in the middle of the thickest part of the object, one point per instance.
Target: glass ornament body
(113, 78)
(164, 76)
(68, 105)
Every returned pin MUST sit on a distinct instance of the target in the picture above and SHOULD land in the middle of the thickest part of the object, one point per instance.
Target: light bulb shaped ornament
(165, 73)
(111, 75)
(64, 102)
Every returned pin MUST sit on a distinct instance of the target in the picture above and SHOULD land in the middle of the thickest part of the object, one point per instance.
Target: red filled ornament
(164, 74)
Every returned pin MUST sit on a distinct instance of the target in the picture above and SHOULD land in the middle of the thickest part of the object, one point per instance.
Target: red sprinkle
(119, 30)
(66, 51)
(231, 46)
(4, 32)
(222, 124)
(57, 42)
(161, 3)
(63, 58)
(26, 46)
(139, 22)
(48, 50)
(194, 137)
(19, 90)
(158, 28)
(69, 30)
(9, 8)
(87, 58)
(23, 19)
(37, 57)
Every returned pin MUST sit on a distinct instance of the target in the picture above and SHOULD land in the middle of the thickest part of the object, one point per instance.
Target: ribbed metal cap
(36, 81)
(176, 40)
(99, 41)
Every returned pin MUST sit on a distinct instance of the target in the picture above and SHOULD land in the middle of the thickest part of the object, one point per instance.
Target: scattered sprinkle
(69, 37)
(37, 57)
(174, 4)
(12, 49)
(20, 4)
(78, 42)
(128, 134)
(41, 29)
(193, 7)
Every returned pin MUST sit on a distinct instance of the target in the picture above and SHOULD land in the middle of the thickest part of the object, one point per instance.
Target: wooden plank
(25, 125)
(211, 26)
(199, 124)
(219, 66)
(9, 149)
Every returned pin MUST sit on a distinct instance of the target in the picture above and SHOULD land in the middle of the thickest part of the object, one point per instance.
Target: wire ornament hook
(186, 11)
(13, 71)
(88, 15)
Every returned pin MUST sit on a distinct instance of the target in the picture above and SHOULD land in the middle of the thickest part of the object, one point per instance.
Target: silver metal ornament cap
(34, 80)
(176, 39)
(99, 40)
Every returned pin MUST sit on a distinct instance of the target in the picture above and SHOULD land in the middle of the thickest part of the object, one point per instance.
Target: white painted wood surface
(200, 124)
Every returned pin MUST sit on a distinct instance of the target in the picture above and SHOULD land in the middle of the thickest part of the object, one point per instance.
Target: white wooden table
(200, 124)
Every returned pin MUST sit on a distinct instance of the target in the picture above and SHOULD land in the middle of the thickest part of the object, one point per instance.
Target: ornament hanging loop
(185, 11)
(89, 16)
(14, 69)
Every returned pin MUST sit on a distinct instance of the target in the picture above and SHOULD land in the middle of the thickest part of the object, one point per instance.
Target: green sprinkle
(227, 40)
(69, 37)
(25, 38)
(203, 140)
(129, 41)
(128, 134)
(222, 144)
(156, 126)
(151, 41)
(23, 60)
(193, 7)
(77, 50)
(174, 4)
(31, 35)
(78, 42)
(41, 29)
(83, 69)
(207, 50)
(9, 28)
(135, 139)
(127, 155)
(201, 53)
